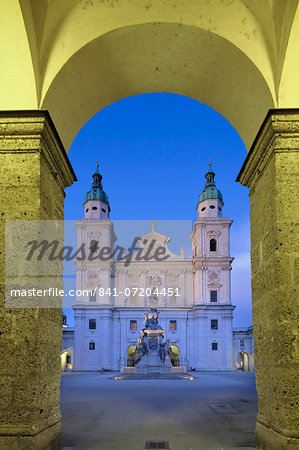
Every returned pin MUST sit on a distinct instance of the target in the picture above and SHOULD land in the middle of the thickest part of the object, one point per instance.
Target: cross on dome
(210, 191)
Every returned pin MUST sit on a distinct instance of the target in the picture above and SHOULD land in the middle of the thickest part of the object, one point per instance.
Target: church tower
(96, 204)
(94, 278)
(211, 280)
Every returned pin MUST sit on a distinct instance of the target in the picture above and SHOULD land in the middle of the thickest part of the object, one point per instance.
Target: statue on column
(151, 321)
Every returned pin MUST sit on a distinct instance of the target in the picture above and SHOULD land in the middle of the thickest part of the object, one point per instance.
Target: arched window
(213, 245)
(93, 246)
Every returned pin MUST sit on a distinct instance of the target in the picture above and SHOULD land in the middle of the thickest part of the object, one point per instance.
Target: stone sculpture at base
(152, 354)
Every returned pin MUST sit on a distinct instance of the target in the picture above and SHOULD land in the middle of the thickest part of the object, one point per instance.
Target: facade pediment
(214, 285)
(214, 233)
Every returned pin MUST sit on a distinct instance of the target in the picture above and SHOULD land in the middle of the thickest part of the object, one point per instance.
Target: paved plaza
(218, 410)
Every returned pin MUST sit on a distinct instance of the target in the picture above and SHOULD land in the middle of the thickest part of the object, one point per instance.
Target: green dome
(210, 191)
(97, 192)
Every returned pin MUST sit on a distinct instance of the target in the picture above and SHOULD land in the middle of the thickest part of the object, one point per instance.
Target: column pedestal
(271, 171)
(34, 170)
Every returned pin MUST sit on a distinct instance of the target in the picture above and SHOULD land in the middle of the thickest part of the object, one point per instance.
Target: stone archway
(243, 361)
(74, 58)
(66, 361)
(130, 356)
(175, 355)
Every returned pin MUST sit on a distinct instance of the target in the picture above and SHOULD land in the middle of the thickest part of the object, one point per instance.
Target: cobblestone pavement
(216, 411)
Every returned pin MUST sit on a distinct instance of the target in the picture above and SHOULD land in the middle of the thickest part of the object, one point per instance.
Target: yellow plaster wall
(239, 47)
(17, 80)
(160, 57)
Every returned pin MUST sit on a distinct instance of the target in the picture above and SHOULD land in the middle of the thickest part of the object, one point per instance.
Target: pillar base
(268, 439)
(271, 172)
(34, 171)
(48, 439)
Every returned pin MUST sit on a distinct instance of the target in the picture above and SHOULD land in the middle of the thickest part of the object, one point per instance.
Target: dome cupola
(210, 191)
(96, 204)
(210, 201)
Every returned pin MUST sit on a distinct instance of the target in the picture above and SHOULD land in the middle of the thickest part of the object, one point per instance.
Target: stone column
(34, 170)
(271, 172)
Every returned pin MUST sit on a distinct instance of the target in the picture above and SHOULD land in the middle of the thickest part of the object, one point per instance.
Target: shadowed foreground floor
(217, 410)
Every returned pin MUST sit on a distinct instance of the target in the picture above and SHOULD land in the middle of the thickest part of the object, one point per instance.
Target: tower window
(213, 245)
(93, 296)
(87, 209)
(92, 324)
(212, 206)
(242, 343)
(133, 325)
(93, 245)
(214, 345)
(203, 209)
(94, 208)
(172, 325)
(214, 324)
(103, 210)
(92, 346)
(219, 208)
(213, 296)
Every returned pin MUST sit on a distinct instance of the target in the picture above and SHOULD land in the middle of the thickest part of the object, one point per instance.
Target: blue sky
(153, 152)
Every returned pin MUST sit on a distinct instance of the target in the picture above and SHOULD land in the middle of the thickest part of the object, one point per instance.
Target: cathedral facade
(193, 295)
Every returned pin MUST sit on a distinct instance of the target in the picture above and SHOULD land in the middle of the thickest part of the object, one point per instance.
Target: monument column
(271, 171)
(34, 171)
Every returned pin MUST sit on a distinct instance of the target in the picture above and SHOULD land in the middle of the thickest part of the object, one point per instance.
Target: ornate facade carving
(213, 275)
(92, 275)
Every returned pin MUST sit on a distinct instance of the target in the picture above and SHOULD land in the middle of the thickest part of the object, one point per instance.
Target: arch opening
(175, 355)
(213, 245)
(131, 356)
(66, 361)
(243, 362)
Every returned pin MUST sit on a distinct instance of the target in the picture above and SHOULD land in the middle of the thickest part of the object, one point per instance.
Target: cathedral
(193, 295)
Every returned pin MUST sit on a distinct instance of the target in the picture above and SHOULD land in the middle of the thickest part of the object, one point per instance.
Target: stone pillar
(34, 170)
(271, 172)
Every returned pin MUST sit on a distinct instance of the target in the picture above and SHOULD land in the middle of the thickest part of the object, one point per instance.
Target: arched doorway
(175, 355)
(242, 361)
(66, 361)
(131, 356)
